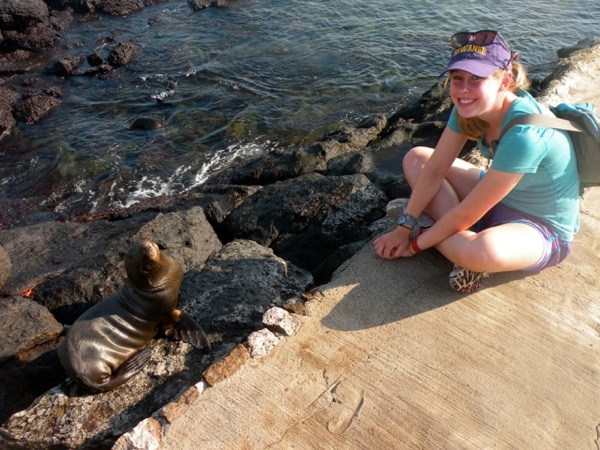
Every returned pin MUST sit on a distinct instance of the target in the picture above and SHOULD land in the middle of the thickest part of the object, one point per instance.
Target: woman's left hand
(394, 244)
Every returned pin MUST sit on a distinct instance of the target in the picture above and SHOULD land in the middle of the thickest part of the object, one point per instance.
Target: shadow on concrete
(420, 285)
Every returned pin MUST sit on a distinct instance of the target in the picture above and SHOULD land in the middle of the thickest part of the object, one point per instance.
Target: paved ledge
(389, 357)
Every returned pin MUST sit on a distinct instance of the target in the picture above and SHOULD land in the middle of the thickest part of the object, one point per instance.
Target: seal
(108, 344)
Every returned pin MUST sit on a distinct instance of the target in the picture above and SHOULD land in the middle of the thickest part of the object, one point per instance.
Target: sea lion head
(150, 269)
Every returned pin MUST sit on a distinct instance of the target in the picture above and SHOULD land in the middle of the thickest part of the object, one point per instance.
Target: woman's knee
(507, 247)
(414, 161)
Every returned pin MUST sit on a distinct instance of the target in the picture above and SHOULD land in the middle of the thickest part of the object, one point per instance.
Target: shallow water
(234, 82)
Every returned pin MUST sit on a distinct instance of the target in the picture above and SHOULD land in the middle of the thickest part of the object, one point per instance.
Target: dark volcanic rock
(122, 54)
(66, 66)
(94, 59)
(23, 379)
(306, 219)
(238, 285)
(122, 8)
(8, 100)
(5, 267)
(148, 123)
(25, 325)
(433, 105)
(27, 365)
(350, 139)
(36, 35)
(67, 418)
(36, 106)
(271, 167)
(35, 38)
(201, 4)
(16, 14)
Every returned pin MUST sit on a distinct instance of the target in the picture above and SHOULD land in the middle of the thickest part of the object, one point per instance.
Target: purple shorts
(556, 248)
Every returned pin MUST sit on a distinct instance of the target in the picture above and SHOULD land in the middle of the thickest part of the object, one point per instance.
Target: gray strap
(541, 120)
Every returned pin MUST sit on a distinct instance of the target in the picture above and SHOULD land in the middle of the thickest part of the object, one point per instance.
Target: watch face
(403, 220)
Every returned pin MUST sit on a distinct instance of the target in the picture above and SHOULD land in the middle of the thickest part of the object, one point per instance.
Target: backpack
(583, 123)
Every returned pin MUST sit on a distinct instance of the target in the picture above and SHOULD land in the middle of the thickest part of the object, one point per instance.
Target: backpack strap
(541, 120)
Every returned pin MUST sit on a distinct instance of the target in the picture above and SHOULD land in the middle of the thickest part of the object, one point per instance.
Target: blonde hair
(475, 128)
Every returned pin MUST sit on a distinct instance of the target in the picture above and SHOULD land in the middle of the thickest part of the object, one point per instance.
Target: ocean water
(234, 82)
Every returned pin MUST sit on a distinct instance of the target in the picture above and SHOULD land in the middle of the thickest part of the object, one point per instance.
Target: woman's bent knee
(414, 161)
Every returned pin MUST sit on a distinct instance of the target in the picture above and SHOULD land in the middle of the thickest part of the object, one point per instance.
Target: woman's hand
(394, 244)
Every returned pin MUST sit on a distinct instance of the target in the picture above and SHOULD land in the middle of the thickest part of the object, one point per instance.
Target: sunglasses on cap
(482, 38)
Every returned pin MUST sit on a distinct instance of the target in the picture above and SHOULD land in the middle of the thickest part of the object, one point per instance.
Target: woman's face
(473, 95)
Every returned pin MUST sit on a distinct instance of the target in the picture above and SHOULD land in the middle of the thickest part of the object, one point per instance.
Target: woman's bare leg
(507, 247)
(460, 180)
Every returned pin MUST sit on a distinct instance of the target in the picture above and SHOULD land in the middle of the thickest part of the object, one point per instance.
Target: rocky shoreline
(254, 237)
(259, 236)
(30, 90)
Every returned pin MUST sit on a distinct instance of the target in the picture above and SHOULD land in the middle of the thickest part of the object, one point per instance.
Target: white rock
(262, 342)
(145, 436)
(280, 320)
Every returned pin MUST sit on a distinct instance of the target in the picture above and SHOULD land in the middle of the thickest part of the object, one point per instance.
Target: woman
(520, 214)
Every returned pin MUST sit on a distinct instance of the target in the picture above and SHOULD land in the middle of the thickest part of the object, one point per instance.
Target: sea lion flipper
(128, 369)
(186, 329)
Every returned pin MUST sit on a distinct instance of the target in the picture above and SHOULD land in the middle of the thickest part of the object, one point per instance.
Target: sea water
(235, 82)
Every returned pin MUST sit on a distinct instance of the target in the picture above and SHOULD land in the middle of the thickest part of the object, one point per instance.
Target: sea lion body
(107, 345)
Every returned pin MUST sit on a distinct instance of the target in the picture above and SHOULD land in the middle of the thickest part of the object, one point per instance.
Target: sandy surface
(391, 358)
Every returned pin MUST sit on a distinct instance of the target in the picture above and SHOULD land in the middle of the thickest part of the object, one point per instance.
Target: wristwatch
(411, 223)
(407, 221)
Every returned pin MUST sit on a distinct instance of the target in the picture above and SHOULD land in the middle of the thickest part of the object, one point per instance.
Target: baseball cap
(480, 53)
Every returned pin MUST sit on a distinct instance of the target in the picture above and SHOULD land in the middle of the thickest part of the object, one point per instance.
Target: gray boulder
(238, 285)
(25, 325)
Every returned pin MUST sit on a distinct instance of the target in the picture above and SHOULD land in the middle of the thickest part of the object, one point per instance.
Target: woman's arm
(435, 170)
(395, 243)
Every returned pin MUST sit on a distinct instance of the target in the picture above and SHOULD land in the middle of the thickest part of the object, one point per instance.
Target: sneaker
(395, 209)
(466, 281)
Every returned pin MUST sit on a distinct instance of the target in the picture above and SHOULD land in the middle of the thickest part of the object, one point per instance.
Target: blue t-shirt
(549, 189)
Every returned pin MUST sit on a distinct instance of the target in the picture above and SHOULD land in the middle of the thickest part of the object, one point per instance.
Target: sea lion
(107, 345)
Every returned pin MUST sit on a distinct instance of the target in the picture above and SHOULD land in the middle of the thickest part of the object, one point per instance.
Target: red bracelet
(415, 246)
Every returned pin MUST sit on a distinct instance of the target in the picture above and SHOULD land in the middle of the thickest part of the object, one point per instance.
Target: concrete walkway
(391, 358)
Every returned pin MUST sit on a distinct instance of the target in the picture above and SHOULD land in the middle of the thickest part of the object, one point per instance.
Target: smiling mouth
(466, 101)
